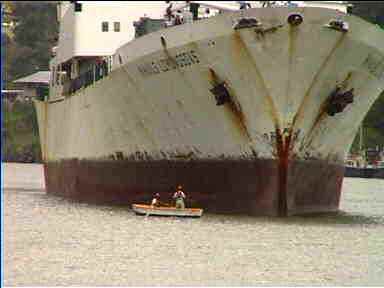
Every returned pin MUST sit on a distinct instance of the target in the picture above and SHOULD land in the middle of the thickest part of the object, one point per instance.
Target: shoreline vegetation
(28, 45)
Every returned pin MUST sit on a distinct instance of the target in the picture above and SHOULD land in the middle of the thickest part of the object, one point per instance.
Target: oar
(147, 214)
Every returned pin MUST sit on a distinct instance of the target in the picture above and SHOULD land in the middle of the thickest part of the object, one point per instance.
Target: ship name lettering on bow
(157, 66)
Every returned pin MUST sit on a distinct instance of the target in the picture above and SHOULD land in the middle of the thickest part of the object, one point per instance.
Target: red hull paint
(227, 186)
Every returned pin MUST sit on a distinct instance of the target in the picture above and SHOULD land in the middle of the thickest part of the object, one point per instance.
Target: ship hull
(273, 147)
(251, 187)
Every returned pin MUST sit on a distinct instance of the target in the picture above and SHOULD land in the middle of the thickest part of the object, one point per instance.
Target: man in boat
(179, 196)
(178, 20)
(244, 5)
(156, 200)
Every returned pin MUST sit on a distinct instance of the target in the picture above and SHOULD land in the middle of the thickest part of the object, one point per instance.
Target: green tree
(34, 36)
(28, 49)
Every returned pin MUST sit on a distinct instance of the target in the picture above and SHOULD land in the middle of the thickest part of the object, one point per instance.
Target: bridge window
(78, 7)
(104, 26)
(116, 26)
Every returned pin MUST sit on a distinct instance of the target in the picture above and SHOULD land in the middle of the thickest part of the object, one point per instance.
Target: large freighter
(251, 110)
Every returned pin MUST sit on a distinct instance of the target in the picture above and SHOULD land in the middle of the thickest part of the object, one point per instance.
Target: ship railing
(85, 79)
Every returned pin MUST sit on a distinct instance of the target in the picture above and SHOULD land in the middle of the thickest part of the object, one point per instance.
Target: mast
(361, 139)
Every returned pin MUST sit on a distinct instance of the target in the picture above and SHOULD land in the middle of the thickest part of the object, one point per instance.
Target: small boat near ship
(149, 210)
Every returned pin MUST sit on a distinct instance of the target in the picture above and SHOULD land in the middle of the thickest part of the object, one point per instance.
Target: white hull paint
(279, 79)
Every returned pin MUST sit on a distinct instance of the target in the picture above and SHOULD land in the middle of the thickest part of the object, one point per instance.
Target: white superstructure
(100, 27)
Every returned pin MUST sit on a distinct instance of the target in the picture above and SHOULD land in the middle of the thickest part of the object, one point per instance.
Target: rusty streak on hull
(233, 106)
(298, 116)
(283, 149)
(223, 186)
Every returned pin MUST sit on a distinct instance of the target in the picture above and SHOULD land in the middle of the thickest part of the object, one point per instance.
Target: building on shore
(35, 85)
(12, 95)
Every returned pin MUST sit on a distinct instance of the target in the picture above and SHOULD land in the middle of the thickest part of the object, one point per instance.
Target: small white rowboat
(142, 209)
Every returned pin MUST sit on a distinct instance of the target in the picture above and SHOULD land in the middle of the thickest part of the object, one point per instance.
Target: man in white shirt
(179, 196)
(155, 201)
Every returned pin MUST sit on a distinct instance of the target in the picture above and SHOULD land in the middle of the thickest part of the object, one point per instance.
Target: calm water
(50, 241)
